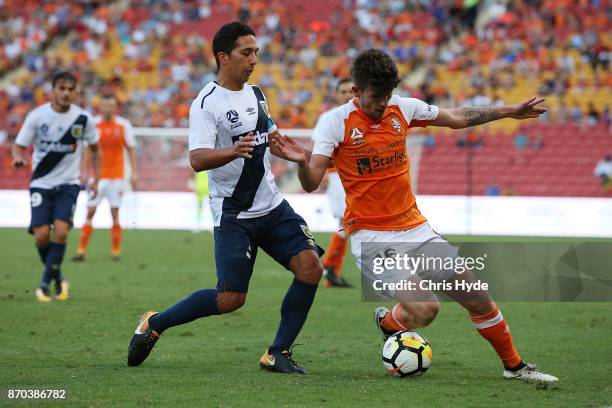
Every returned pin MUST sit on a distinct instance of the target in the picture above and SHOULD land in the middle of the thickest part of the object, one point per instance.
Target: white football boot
(529, 373)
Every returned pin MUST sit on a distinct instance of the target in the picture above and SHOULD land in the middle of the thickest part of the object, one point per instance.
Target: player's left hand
(290, 148)
(528, 109)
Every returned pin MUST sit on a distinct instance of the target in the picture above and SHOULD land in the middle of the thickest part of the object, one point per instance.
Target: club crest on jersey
(76, 131)
(396, 124)
(357, 136)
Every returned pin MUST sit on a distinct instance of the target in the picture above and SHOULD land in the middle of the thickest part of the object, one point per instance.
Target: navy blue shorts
(281, 234)
(53, 204)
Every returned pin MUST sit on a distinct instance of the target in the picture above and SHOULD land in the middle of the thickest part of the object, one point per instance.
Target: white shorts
(336, 195)
(112, 189)
(422, 241)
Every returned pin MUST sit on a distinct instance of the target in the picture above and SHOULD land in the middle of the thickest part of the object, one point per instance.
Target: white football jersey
(58, 139)
(243, 188)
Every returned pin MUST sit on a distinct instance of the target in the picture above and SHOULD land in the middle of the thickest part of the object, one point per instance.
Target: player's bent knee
(228, 302)
(307, 267)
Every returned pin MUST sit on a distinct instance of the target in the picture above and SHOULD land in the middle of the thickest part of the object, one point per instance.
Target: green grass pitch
(80, 345)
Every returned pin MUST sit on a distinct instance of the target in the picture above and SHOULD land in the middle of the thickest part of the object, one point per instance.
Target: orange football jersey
(115, 135)
(372, 162)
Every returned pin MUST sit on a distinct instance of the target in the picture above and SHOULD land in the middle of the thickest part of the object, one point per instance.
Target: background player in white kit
(334, 255)
(229, 129)
(57, 130)
(116, 138)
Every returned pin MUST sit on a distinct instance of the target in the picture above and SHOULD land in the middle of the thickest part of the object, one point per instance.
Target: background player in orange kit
(334, 254)
(366, 139)
(116, 137)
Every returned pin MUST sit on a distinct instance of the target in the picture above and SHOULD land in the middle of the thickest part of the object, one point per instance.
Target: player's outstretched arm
(19, 159)
(206, 159)
(311, 169)
(460, 118)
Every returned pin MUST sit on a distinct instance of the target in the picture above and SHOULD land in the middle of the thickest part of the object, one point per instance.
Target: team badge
(357, 136)
(76, 131)
(308, 234)
(396, 125)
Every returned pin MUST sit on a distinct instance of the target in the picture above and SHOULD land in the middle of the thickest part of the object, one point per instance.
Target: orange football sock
(116, 239)
(335, 253)
(494, 328)
(86, 232)
(394, 322)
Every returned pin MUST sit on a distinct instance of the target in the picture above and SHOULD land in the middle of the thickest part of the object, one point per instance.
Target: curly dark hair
(374, 68)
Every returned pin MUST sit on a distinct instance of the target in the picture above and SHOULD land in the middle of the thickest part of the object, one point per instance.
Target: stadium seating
(562, 165)
(156, 55)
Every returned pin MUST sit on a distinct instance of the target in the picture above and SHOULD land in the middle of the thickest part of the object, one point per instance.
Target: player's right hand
(244, 147)
(19, 162)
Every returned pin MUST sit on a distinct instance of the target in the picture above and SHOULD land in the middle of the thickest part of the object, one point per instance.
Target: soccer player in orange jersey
(116, 136)
(365, 138)
(334, 255)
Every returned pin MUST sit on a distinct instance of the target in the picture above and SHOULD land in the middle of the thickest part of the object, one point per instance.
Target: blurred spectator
(592, 115)
(429, 142)
(603, 170)
(537, 143)
(469, 139)
(521, 141)
(492, 190)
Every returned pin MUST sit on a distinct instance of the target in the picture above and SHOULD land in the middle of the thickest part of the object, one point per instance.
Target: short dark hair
(225, 39)
(342, 81)
(62, 76)
(109, 95)
(374, 68)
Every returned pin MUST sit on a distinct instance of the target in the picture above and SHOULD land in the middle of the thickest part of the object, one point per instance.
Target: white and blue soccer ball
(406, 354)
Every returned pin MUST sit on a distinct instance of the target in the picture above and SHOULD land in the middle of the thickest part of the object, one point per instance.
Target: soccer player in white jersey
(57, 130)
(229, 132)
(334, 255)
(366, 138)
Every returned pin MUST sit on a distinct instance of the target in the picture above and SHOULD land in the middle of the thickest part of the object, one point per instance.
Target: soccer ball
(406, 354)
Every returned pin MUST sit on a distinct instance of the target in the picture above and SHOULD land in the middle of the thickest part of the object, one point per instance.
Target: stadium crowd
(155, 54)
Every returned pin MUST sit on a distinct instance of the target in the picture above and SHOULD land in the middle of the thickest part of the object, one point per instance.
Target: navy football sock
(294, 311)
(43, 252)
(53, 264)
(199, 304)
